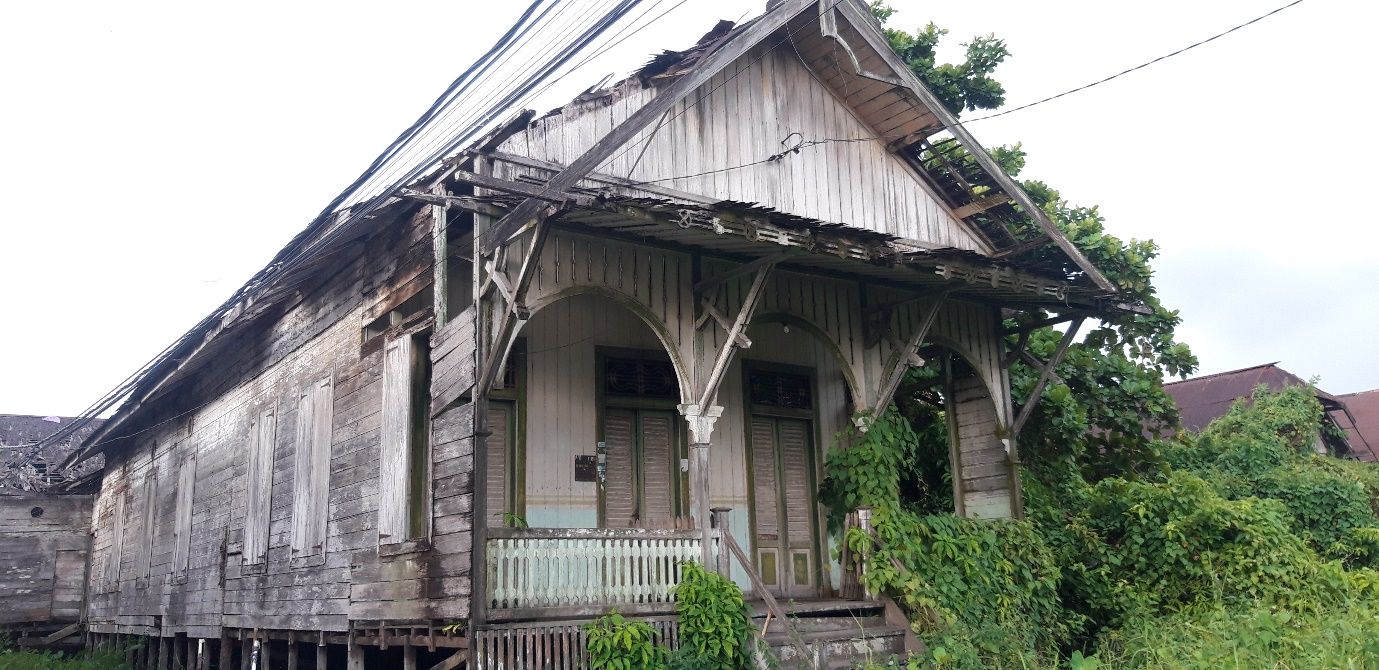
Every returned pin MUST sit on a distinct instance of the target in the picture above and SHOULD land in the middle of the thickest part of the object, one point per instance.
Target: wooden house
(594, 344)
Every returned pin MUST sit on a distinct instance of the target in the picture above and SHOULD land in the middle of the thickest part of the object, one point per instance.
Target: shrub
(715, 625)
(615, 643)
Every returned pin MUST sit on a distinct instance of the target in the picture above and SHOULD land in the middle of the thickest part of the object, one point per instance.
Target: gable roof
(868, 74)
(1204, 399)
(1361, 423)
(844, 45)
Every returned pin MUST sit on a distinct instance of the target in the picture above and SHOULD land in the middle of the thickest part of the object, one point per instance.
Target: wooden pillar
(864, 523)
(409, 654)
(700, 421)
(265, 653)
(355, 656)
(291, 652)
(439, 277)
(246, 653)
(164, 653)
(720, 523)
(321, 655)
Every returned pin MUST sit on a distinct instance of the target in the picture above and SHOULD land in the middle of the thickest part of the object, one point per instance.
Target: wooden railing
(547, 572)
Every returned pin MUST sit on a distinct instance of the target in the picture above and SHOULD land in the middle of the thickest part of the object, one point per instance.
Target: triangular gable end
(718, 142)
(681, 134)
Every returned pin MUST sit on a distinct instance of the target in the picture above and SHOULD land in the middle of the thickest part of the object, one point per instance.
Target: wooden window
(640, 378)
(404, 482)
(780, 389)
(182, 526)
(311, 477)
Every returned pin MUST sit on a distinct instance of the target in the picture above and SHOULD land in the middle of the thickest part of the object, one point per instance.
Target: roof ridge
(1230, 372)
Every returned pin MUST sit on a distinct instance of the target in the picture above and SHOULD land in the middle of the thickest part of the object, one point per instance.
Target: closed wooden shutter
(658, 470)
(395, 441)
(311, 480)
(764, 480)
(113, 559)
(259, 489)
(619, 486)
(144, 551)
(499, 451)
(182, 526)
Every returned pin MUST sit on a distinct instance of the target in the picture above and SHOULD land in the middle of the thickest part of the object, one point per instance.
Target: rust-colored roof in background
(1364, 407)
(1202, 400)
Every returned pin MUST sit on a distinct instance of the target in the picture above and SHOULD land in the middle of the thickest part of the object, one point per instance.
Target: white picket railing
(584, 569)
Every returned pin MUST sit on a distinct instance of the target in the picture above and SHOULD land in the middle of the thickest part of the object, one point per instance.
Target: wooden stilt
(226, 653)
(409, 655)
(356, 656)
(291, 653)
(246, 653)
(164, 653)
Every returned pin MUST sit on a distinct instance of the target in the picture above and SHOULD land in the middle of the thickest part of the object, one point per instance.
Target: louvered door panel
(658, 470)
(499, 447)
(619, 487)
(764, 479)
(794, 444)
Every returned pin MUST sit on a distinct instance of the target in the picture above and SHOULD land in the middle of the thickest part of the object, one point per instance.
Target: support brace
(744, 316)
(514, 310)
(1044, 375)
(903, 357)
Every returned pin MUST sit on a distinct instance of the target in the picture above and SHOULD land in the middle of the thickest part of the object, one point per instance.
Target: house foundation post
(700, 421)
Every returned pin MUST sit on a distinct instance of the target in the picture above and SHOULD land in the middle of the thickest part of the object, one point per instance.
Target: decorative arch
(844, 363)
(668, 341)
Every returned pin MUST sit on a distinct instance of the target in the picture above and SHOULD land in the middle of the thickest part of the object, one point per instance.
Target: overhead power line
(1126, 71)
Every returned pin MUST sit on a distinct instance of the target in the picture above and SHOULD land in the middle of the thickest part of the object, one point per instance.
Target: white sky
(156, 154)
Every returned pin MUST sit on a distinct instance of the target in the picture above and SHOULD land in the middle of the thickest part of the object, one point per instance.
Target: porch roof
(614, 207)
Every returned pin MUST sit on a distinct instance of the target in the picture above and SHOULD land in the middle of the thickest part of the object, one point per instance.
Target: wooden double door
(643, 483)
(784, 503)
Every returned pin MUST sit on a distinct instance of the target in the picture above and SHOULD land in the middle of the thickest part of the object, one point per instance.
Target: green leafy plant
(715, 624)
(615, 643)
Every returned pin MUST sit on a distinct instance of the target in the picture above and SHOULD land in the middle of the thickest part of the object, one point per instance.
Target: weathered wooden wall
(44, 543)
(742, 116)
(141, 582)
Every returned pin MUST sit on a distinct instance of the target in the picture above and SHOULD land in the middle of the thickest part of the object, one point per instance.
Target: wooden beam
(645, 115)
(747, 268)
(897, 371)
(1048, 321)
(861, 19)
(1022, 248)
(439, 265)
(1044, 375)
(744, 316)
(453, 661)
(516, 310)
(759, 587)
(978, 206)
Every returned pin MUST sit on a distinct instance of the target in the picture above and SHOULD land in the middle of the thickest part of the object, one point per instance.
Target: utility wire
(276, 268)
(1126, 71)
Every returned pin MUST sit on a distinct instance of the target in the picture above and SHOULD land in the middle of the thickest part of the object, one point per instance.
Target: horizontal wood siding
(317, 339)
(44, 542)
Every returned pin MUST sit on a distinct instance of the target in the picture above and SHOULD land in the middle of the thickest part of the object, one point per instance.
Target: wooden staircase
(838, 634)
